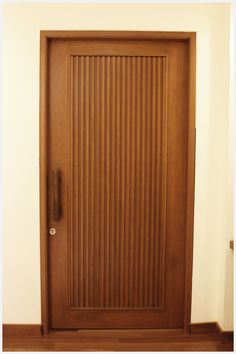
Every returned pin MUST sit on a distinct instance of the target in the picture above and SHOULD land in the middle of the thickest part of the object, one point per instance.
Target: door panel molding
(113, 36)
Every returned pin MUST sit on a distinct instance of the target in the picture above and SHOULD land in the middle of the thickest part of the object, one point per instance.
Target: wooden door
(118, 176)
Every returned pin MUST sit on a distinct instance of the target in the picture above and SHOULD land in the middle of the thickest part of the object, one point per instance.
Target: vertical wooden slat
(73, 229)
(153, 181)
(105, 185)
(112, 183)
(137, 174)
(107, 272)
(163, 172)
(76, 185)
(117, 182)
(97, 174)
(101, 216)
(158, 190)
(127, 167)
(86, 180)
(147, 180)
(142, 187)
(118, 157)
(114, 179)
(81, 194)
(132, 179)
(91, 177)
(122, 177)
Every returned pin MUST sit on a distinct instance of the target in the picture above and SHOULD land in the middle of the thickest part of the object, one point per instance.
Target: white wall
(212, 270)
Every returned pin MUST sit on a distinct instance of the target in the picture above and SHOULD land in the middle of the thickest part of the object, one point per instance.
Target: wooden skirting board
(201, 337)
(211, 327)
(15, 330)
(34, 330)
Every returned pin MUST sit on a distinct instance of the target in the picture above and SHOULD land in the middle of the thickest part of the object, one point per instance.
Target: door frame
(45, 36)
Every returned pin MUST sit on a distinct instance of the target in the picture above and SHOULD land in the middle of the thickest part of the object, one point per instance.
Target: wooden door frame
(45, 36)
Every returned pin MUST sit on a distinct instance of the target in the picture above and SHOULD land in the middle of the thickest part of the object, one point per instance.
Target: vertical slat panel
(117, 108)
(163, 179)
(80, 197)
(142, 187)
(158, 185)
(122, 179)
(147, 181)
(101, 187)
(127, 181)
(108, 163)
(137, 174)
(86, 181)
(118, 182)
(153, 181)
(132, 179)
(112, 184)
(91, 179)
(76, 185)
(97, 177)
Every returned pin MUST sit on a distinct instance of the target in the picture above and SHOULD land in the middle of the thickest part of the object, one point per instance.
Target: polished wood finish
(211, 327)
(183, 44)
(137, 35)
(191, 147)
(225, 336)
(118, 154)
(43, 178)
(204, 327)
(56, 195)
(117, 340)
(26, 330)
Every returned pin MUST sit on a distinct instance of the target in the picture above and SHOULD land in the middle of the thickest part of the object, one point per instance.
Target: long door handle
(56, 195)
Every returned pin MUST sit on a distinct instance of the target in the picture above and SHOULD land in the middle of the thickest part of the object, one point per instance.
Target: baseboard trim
(224, 335)
(35, 330)
(16, 330)
(203, 328)
(211, 328)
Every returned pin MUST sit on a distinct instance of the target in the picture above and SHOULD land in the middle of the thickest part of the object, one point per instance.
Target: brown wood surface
(211, 327)
(225, 336)
(190, 178)
(205, 327)
(135, 35)
(120, 127)
(43, 178)
(119, 166)
(117, 340)
(15, 330)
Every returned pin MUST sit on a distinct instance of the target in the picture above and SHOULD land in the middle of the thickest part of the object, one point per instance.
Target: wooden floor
(117, 340)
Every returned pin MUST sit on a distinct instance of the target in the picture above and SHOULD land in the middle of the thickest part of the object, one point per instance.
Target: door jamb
(45, 36)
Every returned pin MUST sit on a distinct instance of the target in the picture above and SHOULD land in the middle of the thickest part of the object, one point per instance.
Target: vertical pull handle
(56, 195)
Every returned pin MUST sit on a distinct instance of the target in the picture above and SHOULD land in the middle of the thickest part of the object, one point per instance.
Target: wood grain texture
(190, 175)
(119, 159)
(117, 340)
(21, 330)
(225, 336)
(211, 327)
(136, 35)
(204, 327)
(43, 128)
(57, 139)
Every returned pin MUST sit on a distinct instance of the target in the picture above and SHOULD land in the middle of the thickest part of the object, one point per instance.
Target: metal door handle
(56, 195)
